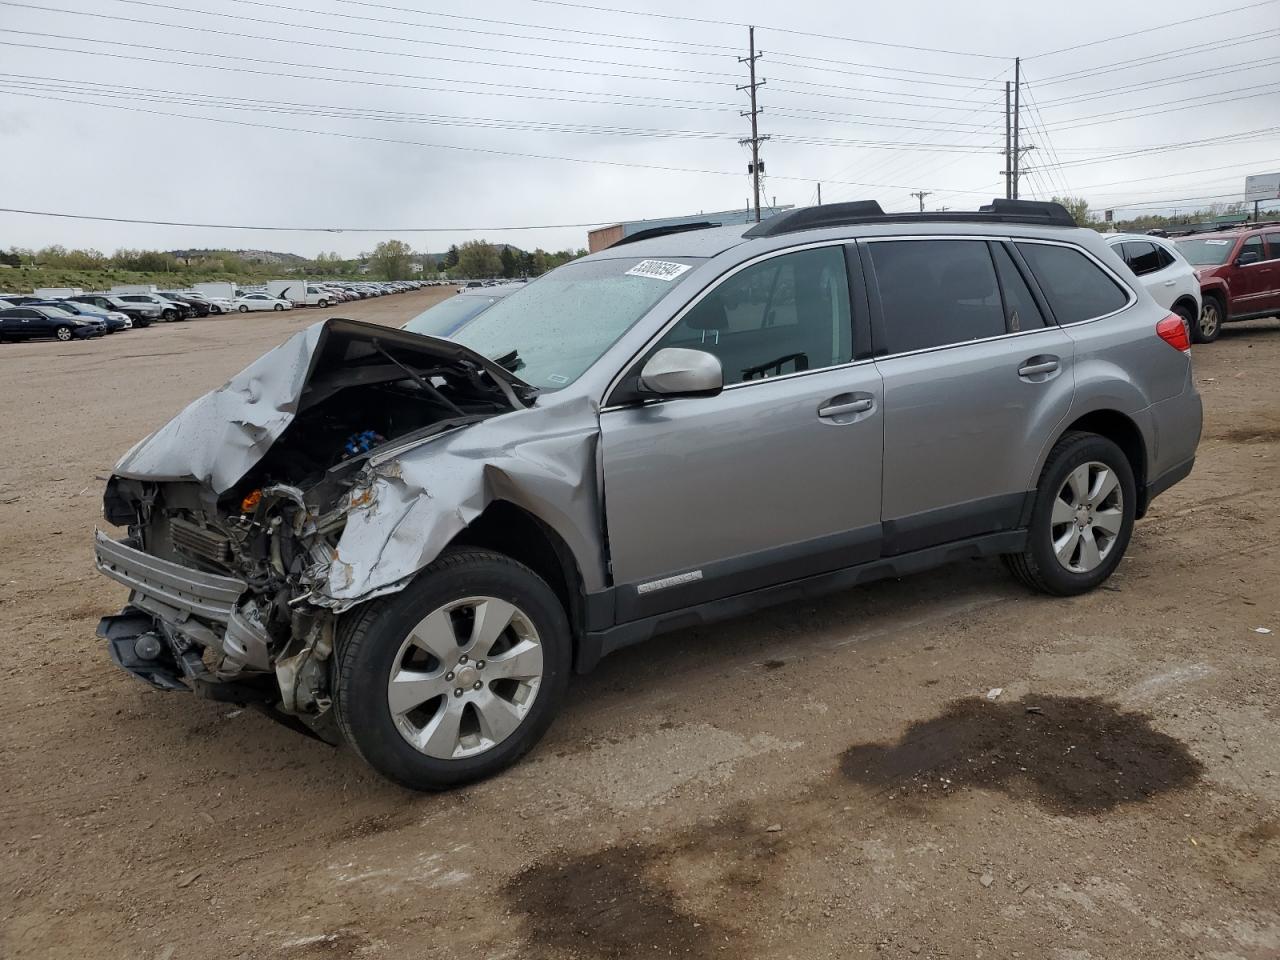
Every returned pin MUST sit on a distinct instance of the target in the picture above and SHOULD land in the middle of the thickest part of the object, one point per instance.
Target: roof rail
(662, 232)
(1040, 212)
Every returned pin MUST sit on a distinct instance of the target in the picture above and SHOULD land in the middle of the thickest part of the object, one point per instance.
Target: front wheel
(278, 306)
(1082, 518)
(1210, 324)
(243, 308)
(455, 677)
(323, 304)
(63, 334)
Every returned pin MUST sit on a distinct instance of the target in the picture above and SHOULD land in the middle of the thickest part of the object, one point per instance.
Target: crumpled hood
(218, 438)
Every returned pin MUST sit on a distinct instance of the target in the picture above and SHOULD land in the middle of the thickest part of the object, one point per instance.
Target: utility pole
(1017, 95)
(819, 194)
(920, 195)
(1008, 147)
(755, 139)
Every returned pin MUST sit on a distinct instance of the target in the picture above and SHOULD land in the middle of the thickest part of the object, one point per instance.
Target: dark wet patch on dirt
(1257, 434)
(632, 900)
(605, 904)
(1069, 755)
(773, 664)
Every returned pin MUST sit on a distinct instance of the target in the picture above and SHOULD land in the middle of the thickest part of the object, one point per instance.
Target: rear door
(976, 377)
(1250, 282)
(22, 323)
(776, 478)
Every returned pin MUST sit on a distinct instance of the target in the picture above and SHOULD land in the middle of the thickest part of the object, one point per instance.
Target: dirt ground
(822, 780)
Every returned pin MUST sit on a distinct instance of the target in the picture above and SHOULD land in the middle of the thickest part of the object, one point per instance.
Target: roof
(691, 243)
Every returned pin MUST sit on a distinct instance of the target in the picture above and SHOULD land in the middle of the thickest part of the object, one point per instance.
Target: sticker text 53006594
(658, 269)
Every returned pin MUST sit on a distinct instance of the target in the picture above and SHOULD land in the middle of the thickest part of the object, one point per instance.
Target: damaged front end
(236, 509)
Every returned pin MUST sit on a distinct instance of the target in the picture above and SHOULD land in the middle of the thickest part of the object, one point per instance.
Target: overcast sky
(341, 111)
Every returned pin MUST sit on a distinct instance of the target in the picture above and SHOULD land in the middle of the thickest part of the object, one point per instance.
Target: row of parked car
(79, 316)
(1208, 277)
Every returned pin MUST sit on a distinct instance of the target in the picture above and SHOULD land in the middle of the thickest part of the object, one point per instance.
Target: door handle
(1031, 369)
(838, 409)
(1170, 283)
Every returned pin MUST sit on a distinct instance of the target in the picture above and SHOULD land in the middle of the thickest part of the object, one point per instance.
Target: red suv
(1239, 271)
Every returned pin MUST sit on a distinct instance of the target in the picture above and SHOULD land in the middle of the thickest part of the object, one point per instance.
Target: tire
(1108, 524)
(63, 333)
(323, 304)
(169, 315)
(1209, 326)
(462, 729)
(243, 308)
(278, 307)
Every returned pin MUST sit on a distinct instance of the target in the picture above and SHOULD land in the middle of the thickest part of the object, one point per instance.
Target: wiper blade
(510, 362)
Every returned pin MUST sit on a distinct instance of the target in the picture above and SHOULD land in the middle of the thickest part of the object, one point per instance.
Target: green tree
(510, 262)
(1078, 207)
(390, 260)
(477, 258)
(451, 257)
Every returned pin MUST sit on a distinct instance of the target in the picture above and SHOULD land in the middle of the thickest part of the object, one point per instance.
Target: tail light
(1173, 331)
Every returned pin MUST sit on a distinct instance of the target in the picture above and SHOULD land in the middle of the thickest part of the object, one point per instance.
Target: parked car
(448, 316)
(110, 318)
(260, 301)
(34, 321)
(169, 309)
(415, 541)
(142, 314)
(1239, 273)
(1171, 281)
(200, 307)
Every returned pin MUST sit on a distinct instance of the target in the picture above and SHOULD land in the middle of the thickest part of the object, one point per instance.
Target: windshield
(445, 318)
(562, 323)
(1206, 251)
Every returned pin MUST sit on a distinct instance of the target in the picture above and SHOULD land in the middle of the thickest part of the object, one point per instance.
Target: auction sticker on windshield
(658, 269)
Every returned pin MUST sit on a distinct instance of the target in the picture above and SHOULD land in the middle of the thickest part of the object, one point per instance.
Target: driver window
(783, 315)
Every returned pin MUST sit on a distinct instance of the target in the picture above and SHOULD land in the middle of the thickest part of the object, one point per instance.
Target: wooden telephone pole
(754, 113)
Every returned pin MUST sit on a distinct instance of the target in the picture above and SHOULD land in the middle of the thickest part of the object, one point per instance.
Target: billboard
(1263, 186)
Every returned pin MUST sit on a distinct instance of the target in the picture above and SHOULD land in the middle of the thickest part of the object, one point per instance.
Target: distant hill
(248, 256)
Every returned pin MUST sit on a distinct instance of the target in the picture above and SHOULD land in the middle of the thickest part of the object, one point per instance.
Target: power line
(1182, 52)
(240, 226)
(1192, 77)
(1074, 123)
(1136, 33)
(774, 28)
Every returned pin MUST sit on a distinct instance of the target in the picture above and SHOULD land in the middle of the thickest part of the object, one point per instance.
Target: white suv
(1159, 267)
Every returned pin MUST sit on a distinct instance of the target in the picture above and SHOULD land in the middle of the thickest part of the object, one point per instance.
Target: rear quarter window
(1075, 286)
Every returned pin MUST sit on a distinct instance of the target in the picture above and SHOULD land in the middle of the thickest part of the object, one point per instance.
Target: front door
(775, 479)
(975, 380)
(1250, 283)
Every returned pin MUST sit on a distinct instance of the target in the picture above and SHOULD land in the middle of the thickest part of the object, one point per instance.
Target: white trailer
(57, 293)
(132, 288)
(218, 288)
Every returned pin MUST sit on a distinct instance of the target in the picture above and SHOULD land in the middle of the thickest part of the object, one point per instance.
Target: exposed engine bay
(227, 582)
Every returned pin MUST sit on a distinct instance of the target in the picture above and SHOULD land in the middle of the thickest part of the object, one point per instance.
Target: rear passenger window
(1020, 310)
(1142, 257)
(1076, 287)
(1273, 246)
(936, 292)
(782, 315)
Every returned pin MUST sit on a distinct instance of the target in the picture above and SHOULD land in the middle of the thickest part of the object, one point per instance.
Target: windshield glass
(445, 318)
(1206, 251)
(562, 323)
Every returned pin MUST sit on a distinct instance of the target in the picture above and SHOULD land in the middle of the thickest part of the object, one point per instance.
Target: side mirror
(677, 372)
(1247, 258)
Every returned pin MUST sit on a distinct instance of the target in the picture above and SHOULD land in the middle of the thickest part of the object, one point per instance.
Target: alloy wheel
(1210, 319)
(64, 333)
(465, 678)
(1088, 515)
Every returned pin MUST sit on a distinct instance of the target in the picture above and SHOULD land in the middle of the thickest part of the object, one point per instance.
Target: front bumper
(178, 595)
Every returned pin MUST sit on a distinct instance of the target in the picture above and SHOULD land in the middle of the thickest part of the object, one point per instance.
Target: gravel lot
(823, 780)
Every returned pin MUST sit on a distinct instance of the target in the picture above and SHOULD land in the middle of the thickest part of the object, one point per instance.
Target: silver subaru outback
(410, 543)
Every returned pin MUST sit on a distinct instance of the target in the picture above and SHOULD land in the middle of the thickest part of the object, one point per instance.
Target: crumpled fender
(412, 506)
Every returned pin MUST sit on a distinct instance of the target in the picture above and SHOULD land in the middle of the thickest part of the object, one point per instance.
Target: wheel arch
(1189, 302)
(1122, 430)
(513, 531)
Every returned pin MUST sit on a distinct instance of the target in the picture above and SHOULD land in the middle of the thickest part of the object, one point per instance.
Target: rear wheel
(1209, 325)
(1082, 518)
(455, 677)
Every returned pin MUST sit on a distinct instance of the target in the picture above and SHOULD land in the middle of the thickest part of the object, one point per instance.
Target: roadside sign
(1262, 186)
(1108, 215)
